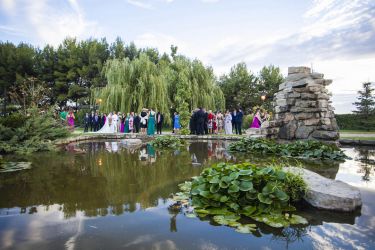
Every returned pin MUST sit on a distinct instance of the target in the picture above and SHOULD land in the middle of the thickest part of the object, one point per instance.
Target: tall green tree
(270, 78)
(366, 100)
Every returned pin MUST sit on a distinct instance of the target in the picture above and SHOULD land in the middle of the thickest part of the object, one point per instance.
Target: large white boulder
(327, 193)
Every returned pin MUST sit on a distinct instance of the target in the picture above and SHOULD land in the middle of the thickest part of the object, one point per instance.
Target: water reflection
(108, 189)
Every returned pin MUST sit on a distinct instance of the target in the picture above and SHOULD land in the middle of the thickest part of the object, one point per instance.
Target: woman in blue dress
(176, 122)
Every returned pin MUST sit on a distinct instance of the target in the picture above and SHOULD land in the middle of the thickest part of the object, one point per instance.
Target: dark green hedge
(355, 122)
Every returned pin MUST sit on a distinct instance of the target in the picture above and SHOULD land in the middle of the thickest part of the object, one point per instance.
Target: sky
(334, 37)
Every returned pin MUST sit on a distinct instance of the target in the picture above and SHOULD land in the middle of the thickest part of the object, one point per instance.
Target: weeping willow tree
(181, 84)
(133, 85)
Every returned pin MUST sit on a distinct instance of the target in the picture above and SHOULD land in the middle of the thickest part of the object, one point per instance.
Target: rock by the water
(132, 142)
(328, 194)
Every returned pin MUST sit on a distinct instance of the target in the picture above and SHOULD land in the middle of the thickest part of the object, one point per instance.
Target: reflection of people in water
(151, 153)
(143, 156)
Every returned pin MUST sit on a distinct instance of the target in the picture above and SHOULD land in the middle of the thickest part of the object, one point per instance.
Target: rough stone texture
(303, 108)
(327, 193)
(132, 142)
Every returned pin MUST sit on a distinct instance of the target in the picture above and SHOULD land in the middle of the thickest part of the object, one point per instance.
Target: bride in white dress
(108, 126)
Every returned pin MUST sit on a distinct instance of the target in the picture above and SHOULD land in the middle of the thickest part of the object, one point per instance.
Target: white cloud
(140, 4)
(51, 23)
(8, 5)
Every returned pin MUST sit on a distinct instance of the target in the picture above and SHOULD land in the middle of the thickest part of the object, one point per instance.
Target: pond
(103, 195)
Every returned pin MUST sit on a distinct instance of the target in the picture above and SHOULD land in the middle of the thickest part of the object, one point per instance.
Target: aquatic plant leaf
(223, 184)
(220, 220)
(246, 185)
(214, 188)
(234, 175)
(245, 172)
(234, 224)
(281, 195)
(224, 198)
(248, 210)
(233, 189)
(201, 211)
(246, 229)
(206, 194)
(296, 219)
(215, 179)
(218, 211)
(190, 215)
(264, 199)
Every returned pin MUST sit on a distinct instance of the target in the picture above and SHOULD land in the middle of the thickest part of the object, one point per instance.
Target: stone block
(322, 103)
(296, 77)
(325, 135)
(299, 84)
(323, 96)
(288, 131)
(296, 70)
(308, 96)
(281, 109)
(304, 116)
(291, 101)
(281, 102)
(306, 104)
(328, 194)
(316, 75)
(310, 122)
(303, 132)
(293, 95)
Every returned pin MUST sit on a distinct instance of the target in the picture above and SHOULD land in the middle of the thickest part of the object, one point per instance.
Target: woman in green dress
(126, 130)
(151, 123)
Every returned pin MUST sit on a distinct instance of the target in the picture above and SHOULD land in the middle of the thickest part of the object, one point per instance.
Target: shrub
(355, 122)
(299, 149)
(14, 120)
(36, 134)
(229, 191)
(166, 141)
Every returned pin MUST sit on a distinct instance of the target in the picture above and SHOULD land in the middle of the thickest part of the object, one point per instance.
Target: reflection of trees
(97, 182)
(290, 235)
(367, 158)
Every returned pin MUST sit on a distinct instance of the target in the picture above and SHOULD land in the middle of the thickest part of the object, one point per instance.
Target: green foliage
(166, 141)
(242, 88)
(356, 122)
(366, 100)
(14, 120)
(299, 149)
(229, 191)
(36, 133)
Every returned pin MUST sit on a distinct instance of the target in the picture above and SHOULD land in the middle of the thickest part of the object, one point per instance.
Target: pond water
(103, 195)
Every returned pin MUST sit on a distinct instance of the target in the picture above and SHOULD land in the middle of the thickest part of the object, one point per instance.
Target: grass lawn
(344, 131)
(358, 138)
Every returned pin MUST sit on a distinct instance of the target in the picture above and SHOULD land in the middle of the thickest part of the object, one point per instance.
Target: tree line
(84, 70)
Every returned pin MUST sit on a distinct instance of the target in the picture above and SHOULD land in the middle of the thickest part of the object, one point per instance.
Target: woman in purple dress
(256, 120)
(70, 119)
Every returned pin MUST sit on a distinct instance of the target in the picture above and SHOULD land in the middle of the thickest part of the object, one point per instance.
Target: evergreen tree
(366, 102)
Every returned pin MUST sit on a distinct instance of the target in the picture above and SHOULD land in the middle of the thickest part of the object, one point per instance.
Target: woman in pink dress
(256, 120)
(70, 119)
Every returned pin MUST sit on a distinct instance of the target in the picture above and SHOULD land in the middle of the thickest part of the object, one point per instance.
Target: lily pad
(246, 229)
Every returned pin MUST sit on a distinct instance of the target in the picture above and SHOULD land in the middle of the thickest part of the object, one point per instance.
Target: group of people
(202, 122)
(117, 122)
(260, 119)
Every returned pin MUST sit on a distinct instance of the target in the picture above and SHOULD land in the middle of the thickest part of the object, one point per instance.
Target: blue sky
(336, 37)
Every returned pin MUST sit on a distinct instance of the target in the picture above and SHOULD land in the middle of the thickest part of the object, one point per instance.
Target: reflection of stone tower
(303, 108)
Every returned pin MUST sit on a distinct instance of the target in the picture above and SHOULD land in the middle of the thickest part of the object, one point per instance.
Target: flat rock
(132, 142)
(328, 194)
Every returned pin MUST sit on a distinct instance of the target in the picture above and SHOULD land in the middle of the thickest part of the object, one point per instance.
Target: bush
(298, 149)
(166, 141)
(248, 119)
(229, 191)
(36, 134)
(14, 120)
(355, 122)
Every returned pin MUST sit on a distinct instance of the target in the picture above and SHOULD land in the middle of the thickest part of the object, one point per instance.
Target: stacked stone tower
(303, 108)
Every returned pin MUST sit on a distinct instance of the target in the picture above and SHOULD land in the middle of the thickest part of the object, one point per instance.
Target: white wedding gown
(107, 129)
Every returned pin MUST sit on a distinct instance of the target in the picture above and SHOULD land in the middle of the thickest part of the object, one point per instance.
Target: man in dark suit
(239, 122)
(137, 123)
(86, 121)
(96, 122)
(159, 122)
(199, 121)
